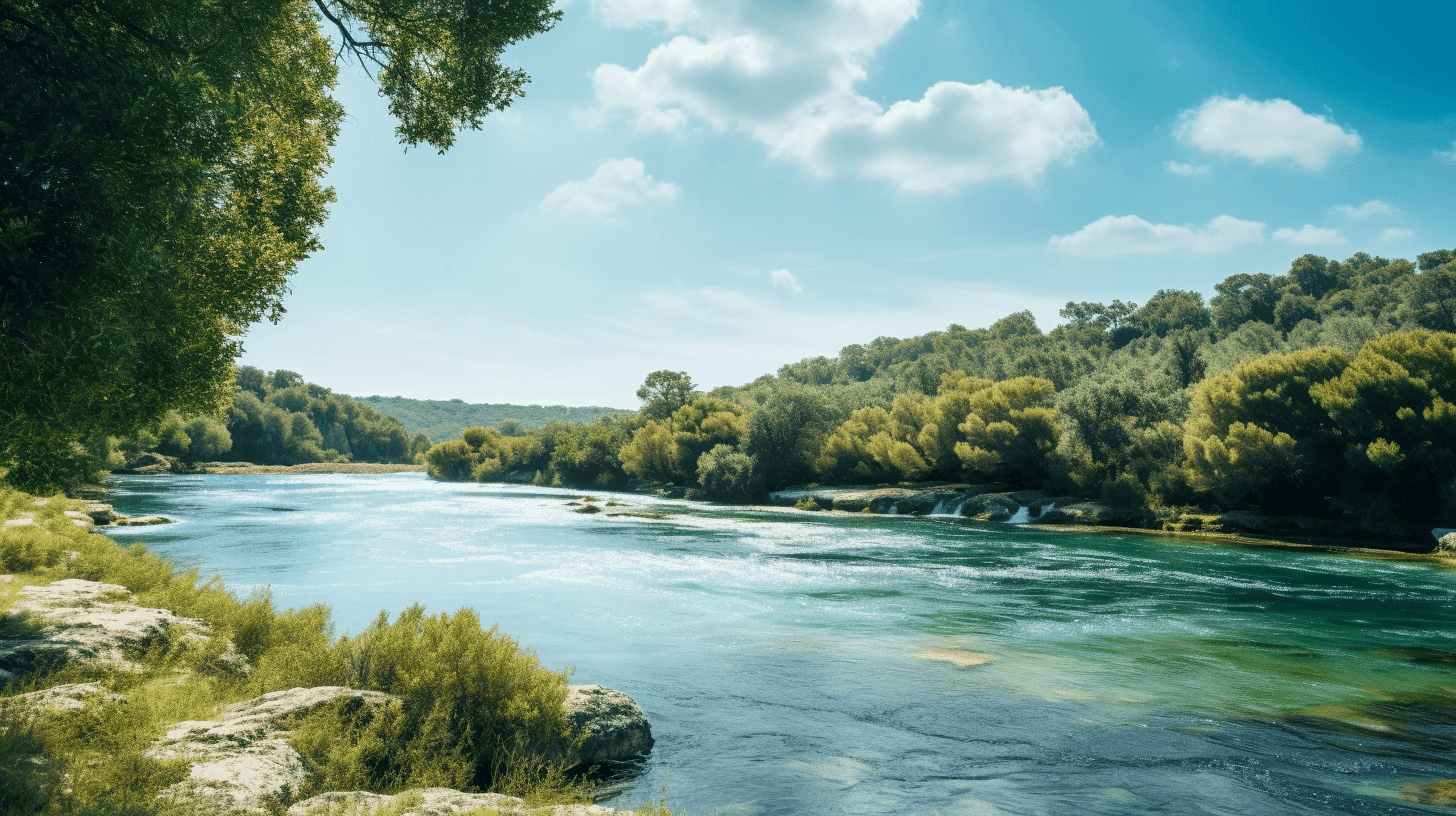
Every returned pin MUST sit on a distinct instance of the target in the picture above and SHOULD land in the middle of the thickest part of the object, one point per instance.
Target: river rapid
(812, 664)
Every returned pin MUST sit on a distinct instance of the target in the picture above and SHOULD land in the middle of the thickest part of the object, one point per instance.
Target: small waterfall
(939, 508)
(959, 506)
(1021, 516)
(894, 509)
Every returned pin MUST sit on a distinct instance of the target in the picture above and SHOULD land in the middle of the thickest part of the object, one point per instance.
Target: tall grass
(476, 711)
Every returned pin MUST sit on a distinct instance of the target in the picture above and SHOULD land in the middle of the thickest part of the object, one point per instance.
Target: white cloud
(1262, 132)
(1395, 234)
(1369, 209)
(616, 185)
(785, 74)
(1309, 236)
(1186, 168)
(785, 278)
(1448, 155)
(1131, 235)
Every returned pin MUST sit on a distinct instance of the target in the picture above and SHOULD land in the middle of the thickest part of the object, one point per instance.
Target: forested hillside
(275, 419)
(1327, 391)
(443, 420)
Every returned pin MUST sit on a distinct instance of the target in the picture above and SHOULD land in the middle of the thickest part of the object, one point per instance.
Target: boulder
(140, 521)
(1082, 513)
(74, 621)
(100, 514)
(242, 761)
(69, 697)
(149, 462)
(436, 802)
(991, 506)
(610, 725)
(1445, 541)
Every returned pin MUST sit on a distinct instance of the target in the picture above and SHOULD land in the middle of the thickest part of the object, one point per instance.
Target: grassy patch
(477, 712)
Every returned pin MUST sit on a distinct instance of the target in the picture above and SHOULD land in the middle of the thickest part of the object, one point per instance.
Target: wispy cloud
(786, 279)
(786, 75)
(1395, 234)
(1369, 209)
(1309, 236)
(1131, 235)
(616, 185)
(1262, 132)
(1448, 155)
(1186, 168)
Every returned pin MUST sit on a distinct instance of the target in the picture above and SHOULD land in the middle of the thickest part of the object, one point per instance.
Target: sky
(725, 187)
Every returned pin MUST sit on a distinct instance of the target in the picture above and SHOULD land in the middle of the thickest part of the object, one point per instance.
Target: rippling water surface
(816, 664)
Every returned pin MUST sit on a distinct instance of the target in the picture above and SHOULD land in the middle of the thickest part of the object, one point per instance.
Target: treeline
(275, 419)
(446, 419)
(1329, 391)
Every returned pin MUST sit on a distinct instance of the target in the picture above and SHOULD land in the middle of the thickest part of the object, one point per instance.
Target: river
(814, 664)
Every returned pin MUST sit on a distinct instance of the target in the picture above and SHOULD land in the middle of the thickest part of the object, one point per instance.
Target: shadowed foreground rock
(611, 725)
(76, 621)
(436, 802)
(241, 761)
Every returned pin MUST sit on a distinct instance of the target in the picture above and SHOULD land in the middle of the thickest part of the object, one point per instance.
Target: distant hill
(445, 419)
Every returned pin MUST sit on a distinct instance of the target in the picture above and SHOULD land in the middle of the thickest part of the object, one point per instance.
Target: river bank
(836, 663)
(128, 685)
(996, 503)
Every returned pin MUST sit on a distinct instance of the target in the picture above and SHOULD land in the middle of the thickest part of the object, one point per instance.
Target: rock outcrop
(1445, 541)
(610, 725)
(243, 760)
(73, 621)
(69, 697)
(437, 802)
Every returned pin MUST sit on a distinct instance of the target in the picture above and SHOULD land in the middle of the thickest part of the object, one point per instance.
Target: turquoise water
(815, 664)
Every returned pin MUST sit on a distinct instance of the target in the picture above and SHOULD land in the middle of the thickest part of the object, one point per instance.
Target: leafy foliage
(161, 166)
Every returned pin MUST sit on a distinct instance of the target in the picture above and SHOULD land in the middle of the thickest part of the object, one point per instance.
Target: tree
(663, 392)
(1171, 310)
(161, 167)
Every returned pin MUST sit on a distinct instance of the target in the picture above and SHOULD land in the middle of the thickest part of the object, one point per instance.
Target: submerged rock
(436, 802)
(244, 760)
(611, 726)
(73, 621)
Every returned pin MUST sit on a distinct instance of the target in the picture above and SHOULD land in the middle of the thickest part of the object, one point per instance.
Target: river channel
(814, 664)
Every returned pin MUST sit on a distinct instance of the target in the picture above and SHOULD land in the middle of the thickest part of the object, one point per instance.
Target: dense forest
(444, 420)
(1329, 390)
(275, 419)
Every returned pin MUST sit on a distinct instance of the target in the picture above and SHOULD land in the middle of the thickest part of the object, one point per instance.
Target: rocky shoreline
(241, 761)
(1036, 508)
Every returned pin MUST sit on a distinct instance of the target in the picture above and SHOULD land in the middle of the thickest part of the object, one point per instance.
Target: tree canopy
(161, 167)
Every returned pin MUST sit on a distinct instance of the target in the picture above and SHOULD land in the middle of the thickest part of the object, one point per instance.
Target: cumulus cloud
(1131, 235)
(1309, 236)
(1262, 132)
(1369, 209)
(1395, 234)
(616, 185)
(786, 74)
(786, 279)
(1186, 168)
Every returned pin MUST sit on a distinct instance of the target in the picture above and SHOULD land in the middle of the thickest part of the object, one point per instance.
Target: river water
(804, 664)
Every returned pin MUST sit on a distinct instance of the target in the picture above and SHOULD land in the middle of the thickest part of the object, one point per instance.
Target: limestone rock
(57, 698)
(1089, 513)
(140, 521)
(437, 802)
(86, 621)
(243, 760)
(611, 725)
(100, 514)
(1445, 541)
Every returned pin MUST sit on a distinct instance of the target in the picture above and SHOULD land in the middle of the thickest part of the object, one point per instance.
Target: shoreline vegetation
(455, 704)
(1316, 404)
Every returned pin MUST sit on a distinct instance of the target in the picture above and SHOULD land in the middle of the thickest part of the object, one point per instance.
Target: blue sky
(725, 187)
